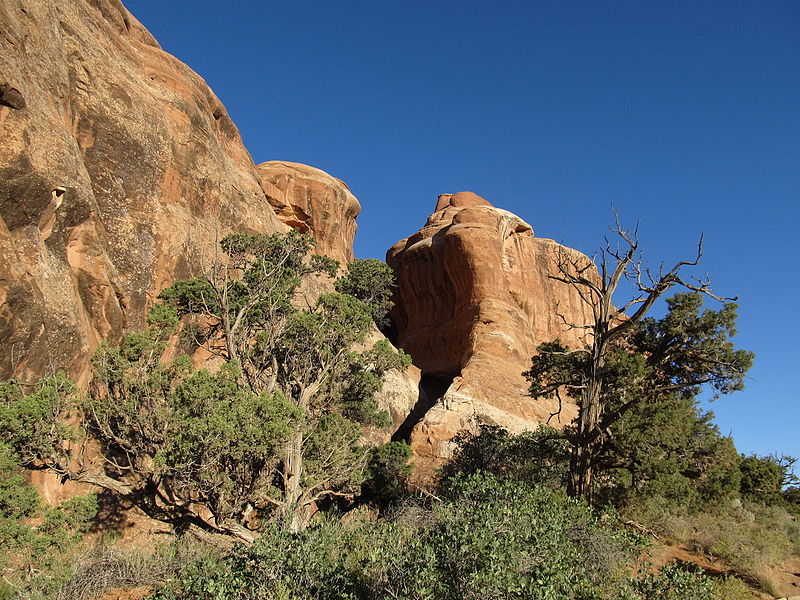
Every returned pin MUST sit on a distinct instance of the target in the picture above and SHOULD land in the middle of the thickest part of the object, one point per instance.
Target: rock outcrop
(309, 199)
(474, 300)
(119, 172)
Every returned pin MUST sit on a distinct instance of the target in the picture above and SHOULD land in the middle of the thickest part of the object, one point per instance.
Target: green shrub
(387, 472)
(486, 539)
(676, 581)
(36, 541)
(731, 588)
(538, 457)
(762, 478)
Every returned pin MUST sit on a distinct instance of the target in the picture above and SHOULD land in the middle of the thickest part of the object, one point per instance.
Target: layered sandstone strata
(474, 300)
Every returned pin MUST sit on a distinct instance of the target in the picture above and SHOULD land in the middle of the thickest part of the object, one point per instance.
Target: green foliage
(555, 367)
(223, 440)
(191, 296)
(333, 456)
(387, 472)
(248, 289)
(202, 436)
(499, 537)
(487, 539)
(315, 338)
(762, 478)
(35, 538)
(324, 264)
(370, 280)
(731, 588)
(33, 424)
(686, 349)
(279, 426)
(791, 496)
(649, 375)
(676, 581)
(691, 347)
(18, 501)
(538, 457)
(669, 449)
(361, 379)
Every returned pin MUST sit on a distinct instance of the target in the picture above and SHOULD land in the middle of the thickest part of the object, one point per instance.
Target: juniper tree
(274, 429)
(244, 312)
(629, 358)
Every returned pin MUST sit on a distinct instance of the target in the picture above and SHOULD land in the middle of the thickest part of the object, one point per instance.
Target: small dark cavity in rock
(11, 96)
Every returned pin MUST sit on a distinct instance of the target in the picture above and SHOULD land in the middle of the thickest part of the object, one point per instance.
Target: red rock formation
(474, 301)
(309, 199)
(119, 172)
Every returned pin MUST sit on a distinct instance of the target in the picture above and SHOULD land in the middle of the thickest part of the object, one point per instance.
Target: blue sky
(682, 115)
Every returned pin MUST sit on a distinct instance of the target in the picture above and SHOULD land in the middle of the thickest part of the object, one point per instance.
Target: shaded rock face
(119, 172)
(474, 300)
(309, 199)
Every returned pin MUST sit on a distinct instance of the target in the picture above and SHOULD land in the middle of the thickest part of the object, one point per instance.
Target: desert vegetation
(259, 467)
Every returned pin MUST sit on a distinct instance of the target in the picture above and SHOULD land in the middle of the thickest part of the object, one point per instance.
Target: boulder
(474, 300)
(309, 199)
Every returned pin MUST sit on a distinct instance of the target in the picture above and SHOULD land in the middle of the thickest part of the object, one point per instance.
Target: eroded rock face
(306, 198)
(474, 301)
(119, 172)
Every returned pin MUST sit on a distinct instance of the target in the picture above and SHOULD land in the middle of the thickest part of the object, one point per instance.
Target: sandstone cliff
(474, 300)
(119, 172)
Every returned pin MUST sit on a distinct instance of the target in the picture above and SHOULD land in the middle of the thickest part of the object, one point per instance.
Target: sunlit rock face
(120, 171)
(309, 199)
(474, 300)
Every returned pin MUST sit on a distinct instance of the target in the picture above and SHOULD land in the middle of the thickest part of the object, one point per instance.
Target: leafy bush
(763, 478)
(672, 450)
(499, 537)
(36, 540)
(676, 581)
(538, 457)
(486, 539)
(731, 588)
(387, 472)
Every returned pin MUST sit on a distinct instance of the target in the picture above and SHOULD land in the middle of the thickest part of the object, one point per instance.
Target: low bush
(36, 541)
(675, 581)
(486, 539)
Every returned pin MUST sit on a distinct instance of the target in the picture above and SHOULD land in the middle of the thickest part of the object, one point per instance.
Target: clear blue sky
(683, 115)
